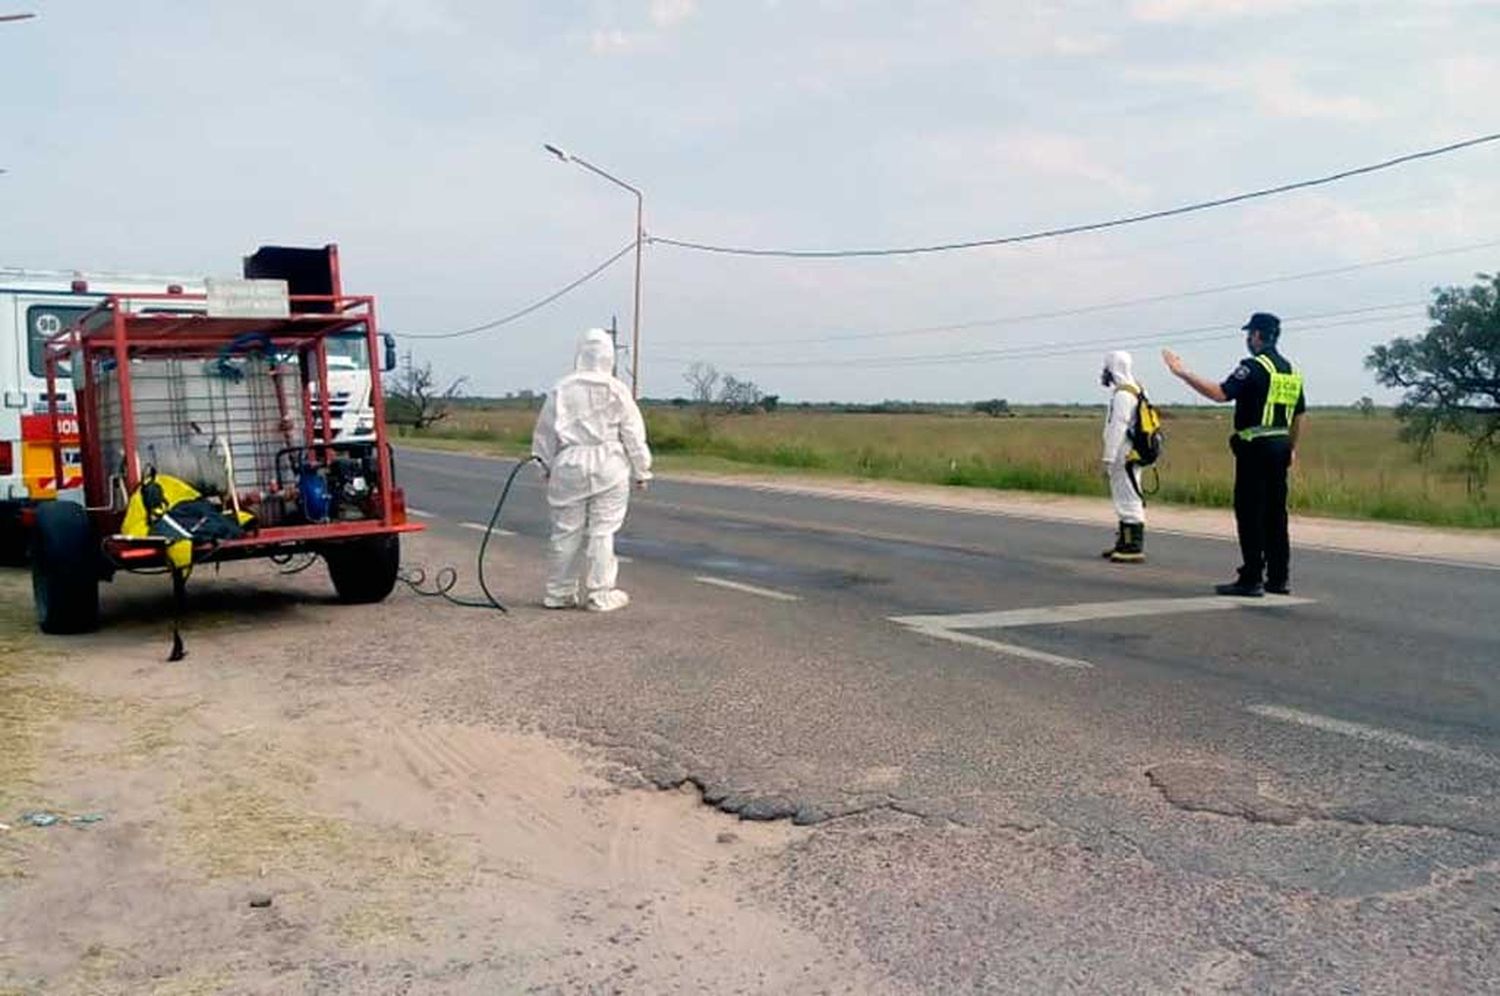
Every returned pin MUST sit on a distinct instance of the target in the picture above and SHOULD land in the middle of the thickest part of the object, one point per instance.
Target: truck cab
(351, 410)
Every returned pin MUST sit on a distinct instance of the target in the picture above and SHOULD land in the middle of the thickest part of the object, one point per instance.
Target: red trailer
(225, 395)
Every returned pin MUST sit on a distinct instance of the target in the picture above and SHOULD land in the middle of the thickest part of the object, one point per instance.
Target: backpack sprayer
(1146, 439)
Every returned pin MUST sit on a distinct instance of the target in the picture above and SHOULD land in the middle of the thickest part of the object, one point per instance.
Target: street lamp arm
(612, 179)
(640, 238)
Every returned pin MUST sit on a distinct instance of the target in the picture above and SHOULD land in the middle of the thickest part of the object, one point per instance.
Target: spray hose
(446, 578)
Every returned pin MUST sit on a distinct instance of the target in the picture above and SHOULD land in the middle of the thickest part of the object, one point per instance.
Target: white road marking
(1087, 611)
(1375, 734)
(1007, 649)
(748, 589)
(481, 527)
(419, 513)
(951, 627)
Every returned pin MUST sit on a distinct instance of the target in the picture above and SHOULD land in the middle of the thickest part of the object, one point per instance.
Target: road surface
(1040, 771)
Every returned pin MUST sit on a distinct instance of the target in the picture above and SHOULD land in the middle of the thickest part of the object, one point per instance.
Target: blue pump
(317, 502)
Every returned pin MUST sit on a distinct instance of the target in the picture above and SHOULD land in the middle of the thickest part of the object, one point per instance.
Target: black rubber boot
(1132, 549)
(1119, 542)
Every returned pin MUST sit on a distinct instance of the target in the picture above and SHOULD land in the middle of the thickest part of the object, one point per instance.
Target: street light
(635, 321)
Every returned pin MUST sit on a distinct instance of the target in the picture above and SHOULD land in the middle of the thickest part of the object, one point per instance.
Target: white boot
(564, 602)
(607, 601)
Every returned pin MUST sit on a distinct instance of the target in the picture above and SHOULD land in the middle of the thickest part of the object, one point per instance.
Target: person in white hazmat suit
(1124, 475)
(591, 441)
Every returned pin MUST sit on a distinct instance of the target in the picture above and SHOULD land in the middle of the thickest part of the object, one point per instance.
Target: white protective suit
(1123, 478)
(591, 440)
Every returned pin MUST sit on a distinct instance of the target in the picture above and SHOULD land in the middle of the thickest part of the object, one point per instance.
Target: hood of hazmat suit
(1120, 368)
(1122, 404)
(590, 435)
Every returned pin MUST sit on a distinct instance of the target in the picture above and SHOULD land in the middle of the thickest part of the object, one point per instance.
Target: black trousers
(1260, 469)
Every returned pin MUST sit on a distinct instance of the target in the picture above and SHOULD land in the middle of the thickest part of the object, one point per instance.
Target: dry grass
(238, 830)
(374, 922)
(31, 709)
(253, 822)
(1349, 465)
(194, 984)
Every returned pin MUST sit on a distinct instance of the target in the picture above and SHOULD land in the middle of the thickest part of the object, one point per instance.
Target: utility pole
(614, 355)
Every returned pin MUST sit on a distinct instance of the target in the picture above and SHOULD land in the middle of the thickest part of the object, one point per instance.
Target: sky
(159, 136)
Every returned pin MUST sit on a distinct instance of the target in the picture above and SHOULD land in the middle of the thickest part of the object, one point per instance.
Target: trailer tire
(364, 570)
(64, 570)
(13, 539)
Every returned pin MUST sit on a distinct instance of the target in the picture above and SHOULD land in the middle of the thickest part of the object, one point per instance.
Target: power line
(522, 313)
(1089, 226)
(1108, 305)
(1204, 334)
(1041, 350)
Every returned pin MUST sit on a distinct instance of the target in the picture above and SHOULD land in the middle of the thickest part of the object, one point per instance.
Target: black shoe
(1279, 587)
(1240, 589)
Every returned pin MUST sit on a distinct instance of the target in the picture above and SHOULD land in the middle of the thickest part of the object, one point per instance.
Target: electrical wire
(523, 312)
(1094, 226)
(1089, 309)
(1042, 350)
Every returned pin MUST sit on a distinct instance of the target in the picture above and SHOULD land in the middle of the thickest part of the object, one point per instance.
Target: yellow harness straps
(139, 517)
(1283, 392)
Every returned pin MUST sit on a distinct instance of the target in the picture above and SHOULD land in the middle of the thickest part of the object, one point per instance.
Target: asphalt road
(1036, 770)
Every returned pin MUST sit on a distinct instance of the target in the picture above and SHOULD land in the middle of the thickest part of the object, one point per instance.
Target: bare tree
(703, 382)
(418, 400)
(739, 395)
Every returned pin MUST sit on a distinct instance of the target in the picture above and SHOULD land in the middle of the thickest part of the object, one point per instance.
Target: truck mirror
(388, 362)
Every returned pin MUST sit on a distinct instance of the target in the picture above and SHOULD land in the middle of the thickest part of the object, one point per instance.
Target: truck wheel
(364, 570)
(64, 569)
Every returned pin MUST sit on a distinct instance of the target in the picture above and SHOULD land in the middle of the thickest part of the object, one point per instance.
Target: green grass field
(1349, 465)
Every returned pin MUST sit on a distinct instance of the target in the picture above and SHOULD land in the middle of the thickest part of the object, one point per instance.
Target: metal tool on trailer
(204, 433)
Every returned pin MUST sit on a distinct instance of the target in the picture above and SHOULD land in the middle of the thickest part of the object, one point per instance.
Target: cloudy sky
(156, 136)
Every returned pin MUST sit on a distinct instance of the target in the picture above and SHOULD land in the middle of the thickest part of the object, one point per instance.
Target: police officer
(1269, 411)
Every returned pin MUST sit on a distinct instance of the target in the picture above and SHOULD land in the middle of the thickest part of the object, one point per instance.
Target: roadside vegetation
(1426, 461)
(1353, 464)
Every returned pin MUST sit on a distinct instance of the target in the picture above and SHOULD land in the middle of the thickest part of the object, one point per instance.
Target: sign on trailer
(247, 298)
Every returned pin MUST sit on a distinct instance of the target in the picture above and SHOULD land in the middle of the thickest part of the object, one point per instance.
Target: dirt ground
(282, 813)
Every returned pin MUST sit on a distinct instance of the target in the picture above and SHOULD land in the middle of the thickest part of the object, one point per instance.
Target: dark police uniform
(1267, 394)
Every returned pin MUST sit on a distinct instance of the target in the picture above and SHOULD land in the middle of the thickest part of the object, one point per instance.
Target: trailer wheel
(64, 569)
(364, 570)
(13, 538)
